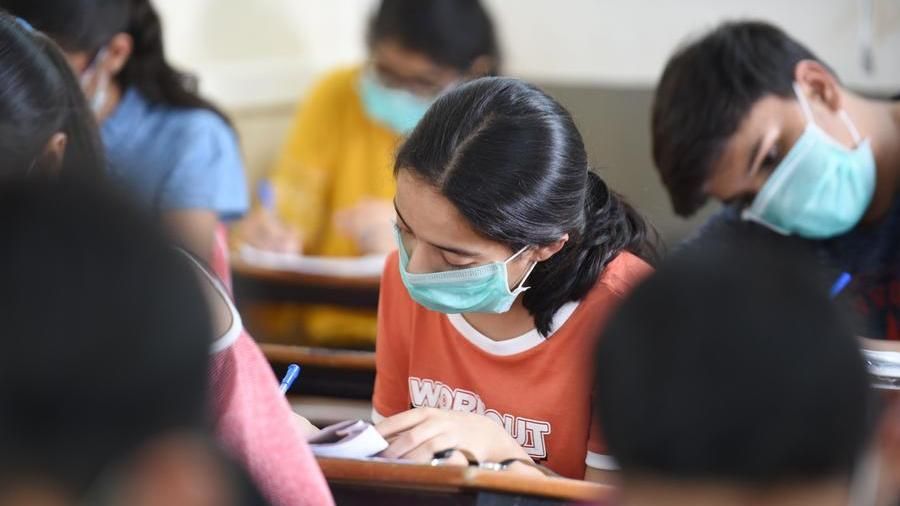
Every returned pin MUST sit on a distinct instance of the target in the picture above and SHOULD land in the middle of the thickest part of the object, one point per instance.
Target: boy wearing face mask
(332, 184)
(752, 118)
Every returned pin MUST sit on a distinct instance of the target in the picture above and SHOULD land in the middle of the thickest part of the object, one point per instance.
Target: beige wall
(264, 51)
(600, 57)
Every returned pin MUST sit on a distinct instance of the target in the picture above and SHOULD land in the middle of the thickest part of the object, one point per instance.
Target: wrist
(510, 449)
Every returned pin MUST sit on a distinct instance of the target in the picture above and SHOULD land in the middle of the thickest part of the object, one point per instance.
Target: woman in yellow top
(333, 182)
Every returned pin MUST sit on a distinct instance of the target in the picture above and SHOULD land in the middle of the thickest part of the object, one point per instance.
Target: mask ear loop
(804, 104)
(807, 111)
(857, 139)
(525, 277)
(521, 286)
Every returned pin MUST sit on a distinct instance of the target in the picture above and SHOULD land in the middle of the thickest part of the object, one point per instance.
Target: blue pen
(842, 281)
(266, 195)
(290, 376)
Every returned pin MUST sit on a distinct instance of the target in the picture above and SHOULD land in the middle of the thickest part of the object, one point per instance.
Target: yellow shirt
(335, 156)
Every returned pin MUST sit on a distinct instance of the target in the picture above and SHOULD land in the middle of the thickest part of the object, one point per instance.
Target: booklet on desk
(361, 267)
(884, 368)
(353, 439)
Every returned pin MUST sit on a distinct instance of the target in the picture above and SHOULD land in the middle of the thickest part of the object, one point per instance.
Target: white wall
(257, 52)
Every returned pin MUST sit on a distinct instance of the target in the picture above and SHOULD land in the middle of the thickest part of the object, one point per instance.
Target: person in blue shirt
(174, 150)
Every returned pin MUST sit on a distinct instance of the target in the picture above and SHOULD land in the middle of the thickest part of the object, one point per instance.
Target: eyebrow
(429, 80)
(455, 251)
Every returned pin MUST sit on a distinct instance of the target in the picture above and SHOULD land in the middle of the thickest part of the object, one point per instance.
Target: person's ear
(542, 253)
(51, 159)
(819, 84)
(118, 51)
(482, 66)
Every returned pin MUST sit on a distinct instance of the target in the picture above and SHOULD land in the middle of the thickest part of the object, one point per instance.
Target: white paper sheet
(361, 267)
(884, 366)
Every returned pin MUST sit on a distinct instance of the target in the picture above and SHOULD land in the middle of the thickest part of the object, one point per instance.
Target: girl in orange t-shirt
(511, 255)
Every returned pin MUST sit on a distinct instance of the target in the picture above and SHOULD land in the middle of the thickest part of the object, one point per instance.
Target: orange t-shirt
(538, 389)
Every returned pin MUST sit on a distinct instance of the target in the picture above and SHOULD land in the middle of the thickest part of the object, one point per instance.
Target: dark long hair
(511, 159)
(87, 25)
(453, 33)
(40, 97)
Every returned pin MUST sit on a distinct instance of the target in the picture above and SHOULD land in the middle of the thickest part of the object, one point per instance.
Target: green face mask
(398, 109)
(821, 189)
(482, 289)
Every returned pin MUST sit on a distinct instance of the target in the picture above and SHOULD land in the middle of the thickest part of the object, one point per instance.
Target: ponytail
(148, 70)
(611, 227)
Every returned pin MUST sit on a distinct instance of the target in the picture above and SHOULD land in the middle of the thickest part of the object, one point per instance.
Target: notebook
(353, 439)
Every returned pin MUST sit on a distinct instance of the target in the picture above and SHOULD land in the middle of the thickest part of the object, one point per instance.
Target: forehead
(431, 216)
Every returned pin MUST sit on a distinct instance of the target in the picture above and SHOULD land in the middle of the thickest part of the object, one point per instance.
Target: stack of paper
(353, 439)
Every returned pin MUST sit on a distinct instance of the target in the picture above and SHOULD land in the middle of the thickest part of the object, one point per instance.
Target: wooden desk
(255, 284)
(326, 372)
(382, 483)
(329, 358)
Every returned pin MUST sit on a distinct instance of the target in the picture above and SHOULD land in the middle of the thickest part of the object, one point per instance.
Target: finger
(425, 451)
(402, 422)
(294, 244)
(414, 437)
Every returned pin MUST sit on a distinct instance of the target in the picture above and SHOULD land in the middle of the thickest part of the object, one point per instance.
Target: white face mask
(96, 100)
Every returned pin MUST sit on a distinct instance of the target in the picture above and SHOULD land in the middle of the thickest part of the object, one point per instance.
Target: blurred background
(601, 58)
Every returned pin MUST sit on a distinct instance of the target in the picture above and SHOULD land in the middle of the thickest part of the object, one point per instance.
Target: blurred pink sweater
(254, 421)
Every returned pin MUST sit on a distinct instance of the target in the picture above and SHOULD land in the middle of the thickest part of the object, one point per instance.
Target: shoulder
(337, 83)
(197, 138)
(201, 126)
(622, 274)
(397, 309)
(334, 90)
(177, 126)
(391, 282)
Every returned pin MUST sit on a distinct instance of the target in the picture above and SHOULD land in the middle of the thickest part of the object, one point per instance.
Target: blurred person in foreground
(744, 387)
(104, 363)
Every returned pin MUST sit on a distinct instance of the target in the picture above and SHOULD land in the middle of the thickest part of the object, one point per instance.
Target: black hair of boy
(707, 89)
(731, 364)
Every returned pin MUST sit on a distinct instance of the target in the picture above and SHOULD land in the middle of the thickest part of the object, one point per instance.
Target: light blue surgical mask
(821, 189)
(482, 289)
(398, 109)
